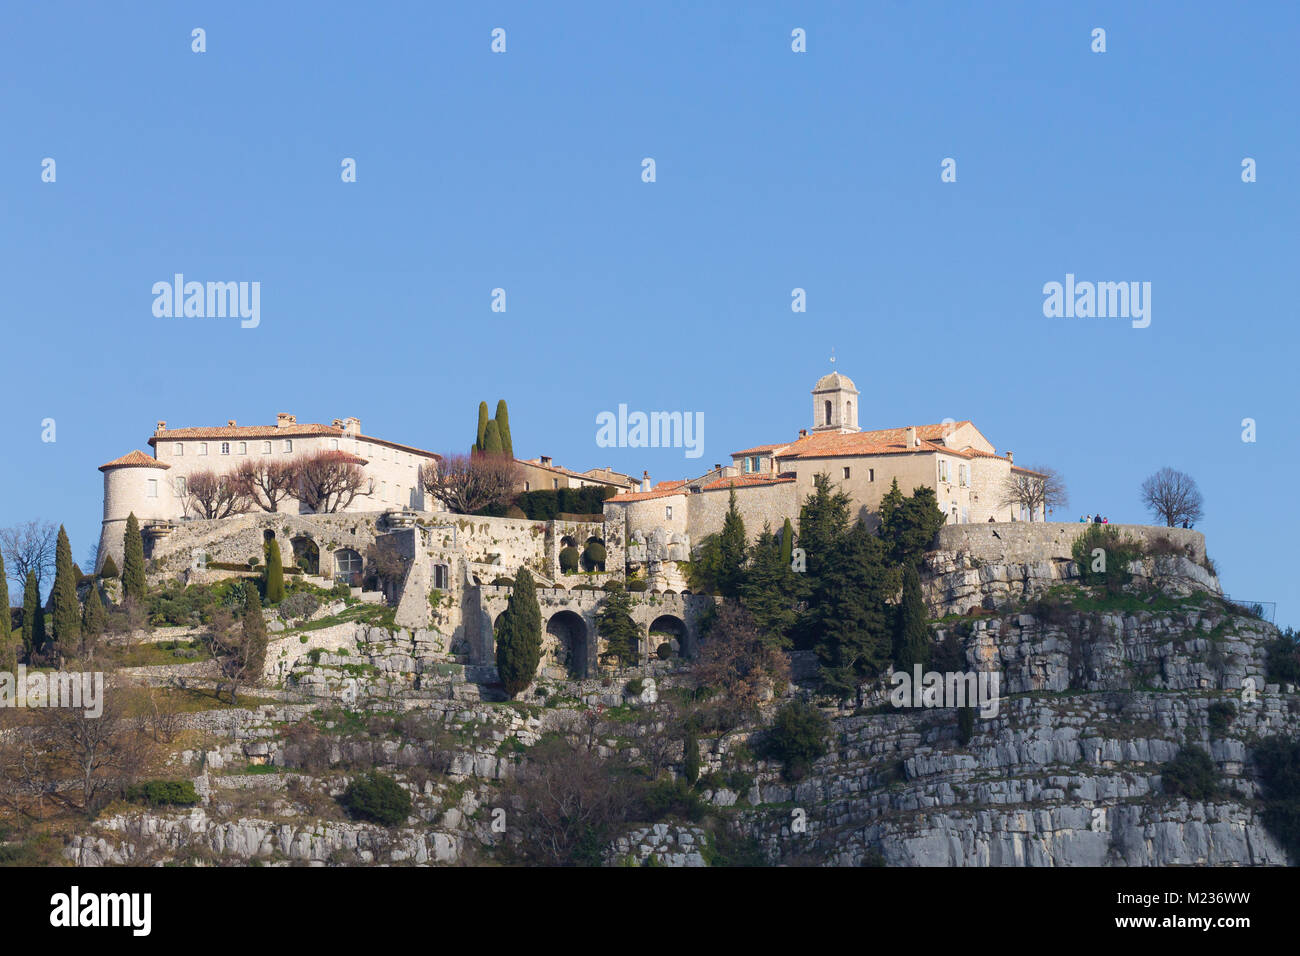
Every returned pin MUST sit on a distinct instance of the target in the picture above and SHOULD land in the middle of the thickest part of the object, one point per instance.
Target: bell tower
(835, 404)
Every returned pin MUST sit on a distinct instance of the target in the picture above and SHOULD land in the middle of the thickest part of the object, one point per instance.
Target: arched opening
(828, 411)
(306, 554)
(570, 647)
(268, 536)
(347, 567)
(667, 629)
(593, 555)
(848, 413)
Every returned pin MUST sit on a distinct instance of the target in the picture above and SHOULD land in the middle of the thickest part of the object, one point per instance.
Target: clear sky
(775, 170)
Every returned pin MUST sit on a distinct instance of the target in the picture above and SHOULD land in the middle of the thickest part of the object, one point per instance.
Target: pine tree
(519, 636)
(850, 616)
(253, 649)
(911, 635)
(787, 543)
(823, 527)
(770, 590)
(133, 585)
(65, 610)
(8, 651)
(479, 442)
(33, 618)
(274, 580)
(503, 426)
(492, 440)
(908, 525)
(94, 621)
(731, 550)
(614, 623)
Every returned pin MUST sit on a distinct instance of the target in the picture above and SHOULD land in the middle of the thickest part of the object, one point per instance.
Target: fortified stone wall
(1024, 542)
(757, 504)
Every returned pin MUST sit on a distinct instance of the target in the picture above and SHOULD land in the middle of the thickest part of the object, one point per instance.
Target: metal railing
(1264, 610)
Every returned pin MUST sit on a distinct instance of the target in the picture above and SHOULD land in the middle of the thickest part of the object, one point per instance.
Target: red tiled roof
(758, 449)
(134, 459)
(881, 441)
(249, 432)
(645, 495)
(746, 481)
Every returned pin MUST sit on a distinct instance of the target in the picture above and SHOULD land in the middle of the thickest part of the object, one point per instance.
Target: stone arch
(348, 567)
(667, 629)
(306, 554)
(572, 642)
(268, 536)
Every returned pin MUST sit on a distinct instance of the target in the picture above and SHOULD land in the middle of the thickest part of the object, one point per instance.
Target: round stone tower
(835, 404)
(133, 483)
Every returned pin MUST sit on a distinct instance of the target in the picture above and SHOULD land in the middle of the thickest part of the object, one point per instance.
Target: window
(203, 448)
(243, 448)
(526, 488)
(347, 567)
(555, 482)
(848, 413)
(943, 470)
(871, 474)
(963, 475)
(383, 491)
(180, 486)
(334, 444)
(828, 412)
(152, 486)
(440, 576)
(668, 512)
(846, 474)
(178, 449)
(965, 516)
(266, 448)
(225, 448)
(288, 445)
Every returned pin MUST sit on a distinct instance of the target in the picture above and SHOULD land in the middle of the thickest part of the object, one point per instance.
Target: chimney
(162, 427)
(1011, 459)
(546, 461)
(337, 423)
(911, 436)
(645, 481)
(284, 420)
(717, 466)
(230, 423)
(352, 426)
(803, 433)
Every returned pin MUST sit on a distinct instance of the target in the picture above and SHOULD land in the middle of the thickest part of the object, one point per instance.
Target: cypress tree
(65, 610)
(614, 623)
(691, 757)
(253, 651)
(274, 573)
(731, 550)
(503, 426)
(519, 636)
(8, 654)
(33, 617)
(133, 563)
(109, 568)
(492, 440)
(479, 442)
(94, 620)
(911, 635)
(787, 543)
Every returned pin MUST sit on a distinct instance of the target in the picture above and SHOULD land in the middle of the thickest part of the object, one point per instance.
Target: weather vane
(832, 355)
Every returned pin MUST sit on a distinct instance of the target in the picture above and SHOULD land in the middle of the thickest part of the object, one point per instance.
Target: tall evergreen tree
(614, 623)
(787, 543)
(65, 610)
(482, 428)
(823, 526)
(770, 590)
(492, 440)
(94, 621)
(908, 525)
(849, 618)
(911, 634)
(33, 618)
(519, 636)
(731, 550)
(133, 585)
(8, 650)
(274, 573)
(503, 426)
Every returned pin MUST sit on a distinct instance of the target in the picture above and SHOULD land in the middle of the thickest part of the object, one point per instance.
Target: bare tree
(1038, 490)
(328, 481)
(466, 484)
(266, 482)
(1173, 495)
(29, 547)
(215, 495)
(386, 562)
(738, 663)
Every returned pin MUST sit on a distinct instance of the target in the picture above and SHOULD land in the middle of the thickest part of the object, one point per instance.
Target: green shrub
(675, 798)
(503, 581)
(965, 724)
(1118, 553)
(1282, 664)
(569, 560)
(109, 570)
(691, 757)
(636, 585)
(378, 798)
(299, 605)
(797, 737)
(634, 687)
(1278, 762)
(163, 793)
(664, 651)
(1192, 774)
(1220, 715)
(594, 555)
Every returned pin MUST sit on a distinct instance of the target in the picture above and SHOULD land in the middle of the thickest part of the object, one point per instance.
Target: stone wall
(1023, 542)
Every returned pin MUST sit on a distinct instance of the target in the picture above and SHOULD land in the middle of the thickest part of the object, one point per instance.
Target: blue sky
(775, 170)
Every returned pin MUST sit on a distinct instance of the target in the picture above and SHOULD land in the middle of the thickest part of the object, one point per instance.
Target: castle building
(773, 480)
(155, 487)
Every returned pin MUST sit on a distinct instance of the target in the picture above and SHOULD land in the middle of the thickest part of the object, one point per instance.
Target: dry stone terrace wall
(1025, 542)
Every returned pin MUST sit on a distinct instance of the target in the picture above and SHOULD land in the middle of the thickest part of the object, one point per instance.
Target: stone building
(772, 480)
(542, 474)
(156, 487)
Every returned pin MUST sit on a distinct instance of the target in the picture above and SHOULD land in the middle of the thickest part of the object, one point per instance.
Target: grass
(377, 614)
(157, 654)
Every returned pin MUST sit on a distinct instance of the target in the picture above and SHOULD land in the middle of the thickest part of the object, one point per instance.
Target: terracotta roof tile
(252, 432)
(746, 481)
(134, 459)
